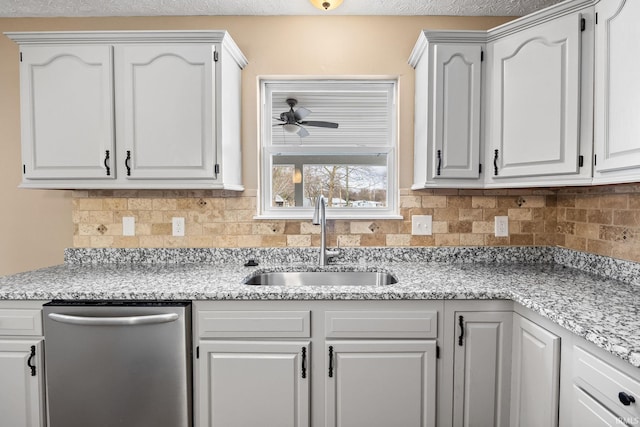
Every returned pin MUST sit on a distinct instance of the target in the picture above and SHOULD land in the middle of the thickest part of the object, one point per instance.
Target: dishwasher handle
(115, 321)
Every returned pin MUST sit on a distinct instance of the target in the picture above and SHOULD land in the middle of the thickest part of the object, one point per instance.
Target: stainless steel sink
(322, 278)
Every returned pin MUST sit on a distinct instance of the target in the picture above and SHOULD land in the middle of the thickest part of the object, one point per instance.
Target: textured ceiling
(50, 8)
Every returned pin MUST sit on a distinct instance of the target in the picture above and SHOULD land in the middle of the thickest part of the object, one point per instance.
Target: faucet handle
(332, 253)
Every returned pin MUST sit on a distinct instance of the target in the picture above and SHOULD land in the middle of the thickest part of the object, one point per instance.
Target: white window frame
(267, 150)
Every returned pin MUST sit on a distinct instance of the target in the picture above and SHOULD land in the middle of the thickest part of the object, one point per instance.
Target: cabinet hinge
(20, 56)
(580, 161)
(216, 169)
(437, 352)
(481, 55)
(583, 24)
(480, 168)
(215, 56)
(198, 352)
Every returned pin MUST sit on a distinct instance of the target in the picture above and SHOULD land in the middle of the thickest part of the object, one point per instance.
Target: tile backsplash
(601, 220)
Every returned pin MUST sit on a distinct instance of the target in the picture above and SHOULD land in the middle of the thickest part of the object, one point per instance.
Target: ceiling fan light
(326, 4)
(290, 128)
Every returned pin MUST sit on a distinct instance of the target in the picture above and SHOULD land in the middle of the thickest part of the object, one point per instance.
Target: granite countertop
(604, 311)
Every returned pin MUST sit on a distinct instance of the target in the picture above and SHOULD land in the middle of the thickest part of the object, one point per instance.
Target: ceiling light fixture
(326, 4)
(291, 128)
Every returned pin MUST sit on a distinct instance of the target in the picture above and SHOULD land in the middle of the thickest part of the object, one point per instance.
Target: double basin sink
(321, 278)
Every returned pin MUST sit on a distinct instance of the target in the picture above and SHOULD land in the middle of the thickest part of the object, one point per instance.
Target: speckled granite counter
(603, 310)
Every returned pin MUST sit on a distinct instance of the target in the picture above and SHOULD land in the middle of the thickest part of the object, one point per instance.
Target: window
(335, 138)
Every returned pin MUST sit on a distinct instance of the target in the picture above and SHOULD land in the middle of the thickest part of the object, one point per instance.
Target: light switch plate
(128, 226)
(421, 225)
(502, 226)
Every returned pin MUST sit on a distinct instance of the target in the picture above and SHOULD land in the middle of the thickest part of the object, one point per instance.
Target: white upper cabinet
(137, 109)
(521, 118)
(534, 106)
(166, 97)
(67, 112)
(447, 108)
(617, 112)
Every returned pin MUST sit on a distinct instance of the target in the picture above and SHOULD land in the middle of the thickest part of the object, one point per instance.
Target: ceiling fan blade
(321, 124)
(301, 113)
(303, 132)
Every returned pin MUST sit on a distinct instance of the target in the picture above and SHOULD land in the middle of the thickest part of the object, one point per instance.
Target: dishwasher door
(114, 364)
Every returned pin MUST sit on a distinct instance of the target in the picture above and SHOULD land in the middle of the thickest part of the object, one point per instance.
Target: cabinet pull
(106, 161)
(29, 364)
(495, 163)
(626, 399)
(128, 160)
(461, 324)
(439, 162)
(304, 362)
(330, 361)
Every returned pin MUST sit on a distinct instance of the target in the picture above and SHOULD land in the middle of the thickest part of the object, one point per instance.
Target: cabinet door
(67, 112)
(456, 125)
(535, 376)
(165, 98)
(253, 383)
(21, 393)
(617, 103)
(535, 101)
(589, 412)
(380, 383)
(481, 377)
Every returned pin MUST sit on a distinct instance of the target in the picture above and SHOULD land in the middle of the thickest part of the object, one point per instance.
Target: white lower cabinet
(270, 364)
(603, 394)
(21, 396)
(254, 383)
(394, 364)
(22, 401)
(381, 383)
(482, 351)
(535, 380)
(587, 411)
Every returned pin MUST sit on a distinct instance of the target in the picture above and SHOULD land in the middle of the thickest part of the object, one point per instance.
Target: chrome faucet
(320, 218)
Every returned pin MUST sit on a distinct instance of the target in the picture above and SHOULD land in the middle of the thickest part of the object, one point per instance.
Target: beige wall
(36, 226)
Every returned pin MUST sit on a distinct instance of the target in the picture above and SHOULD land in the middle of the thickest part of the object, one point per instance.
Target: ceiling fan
(292, 121)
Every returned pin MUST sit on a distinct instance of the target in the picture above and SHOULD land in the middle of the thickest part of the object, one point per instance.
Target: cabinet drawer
(254, 324)
(605, 382)
(381, 324)
(20, 322)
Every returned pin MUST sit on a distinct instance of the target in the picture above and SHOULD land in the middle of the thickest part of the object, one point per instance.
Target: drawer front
(215, 324)
(605, 382)
(381, 324)
(20, 322)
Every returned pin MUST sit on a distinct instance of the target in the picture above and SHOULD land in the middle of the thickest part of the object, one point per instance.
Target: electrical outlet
(128, 226)
(502, 226)
(177, 226)
(421, 225)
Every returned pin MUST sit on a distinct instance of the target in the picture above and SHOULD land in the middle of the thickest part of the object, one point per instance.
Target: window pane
(282, 191)
(346, 181)
(346, 186)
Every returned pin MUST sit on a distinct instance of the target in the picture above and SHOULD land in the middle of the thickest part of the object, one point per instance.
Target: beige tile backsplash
(601, 220)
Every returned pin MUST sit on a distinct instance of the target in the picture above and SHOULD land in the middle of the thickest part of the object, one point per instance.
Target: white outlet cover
(128, 226)
(177, 226)
(421, 225)
(502, 226)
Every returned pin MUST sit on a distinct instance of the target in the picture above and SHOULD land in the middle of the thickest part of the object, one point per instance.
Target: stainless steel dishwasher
(121, 363)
